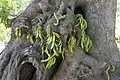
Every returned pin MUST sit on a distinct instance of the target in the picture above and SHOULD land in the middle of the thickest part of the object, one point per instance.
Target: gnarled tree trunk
(20, 60)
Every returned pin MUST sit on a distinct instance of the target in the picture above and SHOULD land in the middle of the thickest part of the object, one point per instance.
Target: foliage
(118, 8)
(72, 44)
(111, 68)
(5, 10)
(86, 43)
(107, 72)
(8, 10)
(23, 31)
(52, 47)
(4, 34)
(118, 41)
(117, 35)
(52, 44)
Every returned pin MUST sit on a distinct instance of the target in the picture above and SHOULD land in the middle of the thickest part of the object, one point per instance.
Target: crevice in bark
(27, 72)
(54, 69)
(79, 10)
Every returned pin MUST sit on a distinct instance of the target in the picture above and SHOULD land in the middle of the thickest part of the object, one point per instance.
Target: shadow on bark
(27, 72)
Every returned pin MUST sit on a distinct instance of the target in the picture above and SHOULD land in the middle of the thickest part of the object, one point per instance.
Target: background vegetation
(9, 9)
(117, 30)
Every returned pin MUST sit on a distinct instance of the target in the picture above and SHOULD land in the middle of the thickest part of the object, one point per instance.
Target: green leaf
(48, 58)
(71, 44)
(43, 50)
(61, 17)
(19, 32)
(56, 47)
(79, 16)
(87, 44)
(16, 31)
(113, 68)
(82, 41)
(73, 41)
(47, 52)
(55, 52)
(48, 30)
(31, 39)
(39, 33)
(90, 44)
(56, 34)
(24, 26)
(28, 36)
(57, 20)
(60, 48)
(53, 42)
(107, 73)
(83, 24)
(49, 40)
(51, 62)
(85, 39)
(60, 43)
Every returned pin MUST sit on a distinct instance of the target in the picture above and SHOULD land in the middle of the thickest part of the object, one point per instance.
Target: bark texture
(20, 60)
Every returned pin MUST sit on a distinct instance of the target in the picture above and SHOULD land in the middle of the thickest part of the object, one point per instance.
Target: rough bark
(20, 60)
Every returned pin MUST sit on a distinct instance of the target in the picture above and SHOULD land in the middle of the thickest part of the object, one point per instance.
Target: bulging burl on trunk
(21, 58)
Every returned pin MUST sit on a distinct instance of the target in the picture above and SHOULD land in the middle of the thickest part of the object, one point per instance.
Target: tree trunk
(21, 60)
